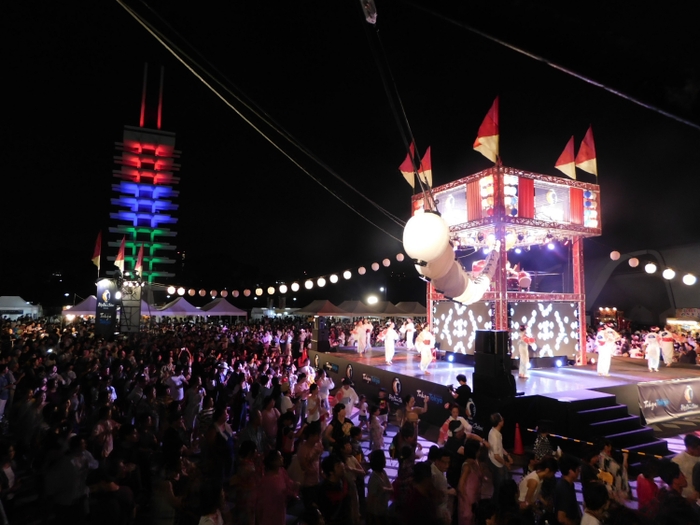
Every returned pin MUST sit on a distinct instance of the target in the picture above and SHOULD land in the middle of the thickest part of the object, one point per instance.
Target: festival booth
(222, 308)
(13, 307)
(85, 308)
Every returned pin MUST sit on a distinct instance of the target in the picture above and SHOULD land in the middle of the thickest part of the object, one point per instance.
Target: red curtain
(526, 198)
(576, 205)
(473, 201)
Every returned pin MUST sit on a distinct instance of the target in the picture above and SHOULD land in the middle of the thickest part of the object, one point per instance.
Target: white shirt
(285, 404)
(177, 387)
(495, 446)
(686, 462)
(350, 398)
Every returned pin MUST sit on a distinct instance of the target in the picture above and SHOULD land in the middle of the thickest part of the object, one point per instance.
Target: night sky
(247, 214)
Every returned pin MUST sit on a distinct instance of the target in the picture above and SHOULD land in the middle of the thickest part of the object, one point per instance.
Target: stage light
(558, 363)
(321, 282)
(309, 284)
(633, 262)
(689, 279)
(347, 274)
(181, 291)
(518, 250)
(550, 245)
(650, 268)
(258, 291)
(271, 290)
(213, 293)
(615, 255)
(592, 360)
(295, 287)
(372, 299)
(668, 274)
(118, 295)
(386, 263)
(425, 236)
(361, 270)
(283, 288)
(333, 278)
(450, 358)
(171, 290)
(375, 266)
(399, 257)
(487, 250)
(126, 274)
(381, 288)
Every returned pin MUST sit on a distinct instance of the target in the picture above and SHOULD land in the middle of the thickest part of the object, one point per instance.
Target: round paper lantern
(246, 292)
(333, 278)
(258, 291)
(633, 262)
(171, 290)
(295, 287)
(321, 282)
(202, 292)
(375, 267)
(308, 284)
(668, 274)
(213, 293)
(386, 263)
(191, 292)
(361, 270)
(399, 257)
(425, 236)
(615, 255)
(347, 274)
(224, 293)
(689, 279)
(271, 290)
(650, 268)
(524, 280)
(235, 293)
(181, 291)
(283, 288)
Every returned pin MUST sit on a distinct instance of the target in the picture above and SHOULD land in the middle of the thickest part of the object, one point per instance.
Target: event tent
(221, 307)
(178, 308)
(412, 308)
(324, 308)
(85, 307)
(13, 306)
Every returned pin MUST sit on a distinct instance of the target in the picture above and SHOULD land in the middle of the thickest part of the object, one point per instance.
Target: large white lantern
(425, 236)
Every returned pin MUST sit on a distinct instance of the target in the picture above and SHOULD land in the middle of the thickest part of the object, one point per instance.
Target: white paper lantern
(347, 274)
(615, 255)
(333, 278)
(258, 291)
(399, 257)
(633, 262)
(213, 293)
(191, 292)
(668, 274)
(271, 290)
(202, 292)
(650, 267)
(308, 284)
(375, 267)
(321, 282)
(295, 287)
(689, 279)
(181, 291)
(386, 263)
(171, 290)
(224, 293)
(361, 270)
(425, 236)
(283, 288)
(246, 292)
(235, 293)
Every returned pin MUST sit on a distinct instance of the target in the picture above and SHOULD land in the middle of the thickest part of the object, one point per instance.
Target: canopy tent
(221, 307)
(178, 308)
(323, 308)
(13, 306)
(85, 307)
(380, 309)
(412, 308)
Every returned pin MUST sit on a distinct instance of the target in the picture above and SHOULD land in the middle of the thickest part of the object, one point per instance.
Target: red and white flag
(486, 141)
(138, 268)
(119, 261)
(407, 169)
(425, 171)
(98, 250)
(566, 163)
(586, 159)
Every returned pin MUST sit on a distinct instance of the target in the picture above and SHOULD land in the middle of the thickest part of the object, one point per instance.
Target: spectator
(596, 499)
(500, 462)
(687, 460)
(566, 507)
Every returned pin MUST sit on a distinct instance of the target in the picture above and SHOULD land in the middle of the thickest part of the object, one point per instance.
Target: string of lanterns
(308, 284)
(651, 267)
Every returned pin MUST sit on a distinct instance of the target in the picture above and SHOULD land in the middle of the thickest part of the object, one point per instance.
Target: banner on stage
(667, 400)
(106, 308)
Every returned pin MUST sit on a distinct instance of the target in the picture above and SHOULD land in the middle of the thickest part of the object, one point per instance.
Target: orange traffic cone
(518, 448)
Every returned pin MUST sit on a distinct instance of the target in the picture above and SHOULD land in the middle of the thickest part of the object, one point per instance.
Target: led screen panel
(553, 325)
(452, 204)
(455, 324)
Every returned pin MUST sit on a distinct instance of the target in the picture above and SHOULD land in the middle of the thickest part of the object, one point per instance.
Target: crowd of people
(211, 424)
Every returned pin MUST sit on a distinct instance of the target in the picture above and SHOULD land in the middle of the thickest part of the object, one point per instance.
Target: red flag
(425, 171)
(138, 268)
(98, 250)
(406, 167)
(586, 159)
(119, 261)
(486, 141)
(566, 163)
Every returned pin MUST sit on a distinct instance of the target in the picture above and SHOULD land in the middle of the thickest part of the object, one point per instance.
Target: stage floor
(543, 381)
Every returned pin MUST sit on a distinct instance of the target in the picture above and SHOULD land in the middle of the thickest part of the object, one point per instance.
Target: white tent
(85, 307)
(178, 308)
(222, 308)
(13, 306)
(322, 308)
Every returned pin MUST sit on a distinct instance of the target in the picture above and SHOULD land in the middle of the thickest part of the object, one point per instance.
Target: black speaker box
(492, 342)
(495, 387)
(492, 365)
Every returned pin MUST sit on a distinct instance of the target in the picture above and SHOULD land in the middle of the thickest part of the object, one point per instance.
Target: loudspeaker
(492, 342)
(319, 335)
(491, 365)
(494, 387)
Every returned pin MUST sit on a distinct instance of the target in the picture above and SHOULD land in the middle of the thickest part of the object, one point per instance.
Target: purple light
(550, 245)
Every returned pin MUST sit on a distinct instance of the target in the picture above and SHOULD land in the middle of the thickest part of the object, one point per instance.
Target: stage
(580, 403)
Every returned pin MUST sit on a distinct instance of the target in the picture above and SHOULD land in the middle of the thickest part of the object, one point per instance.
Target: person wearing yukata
(524, 343)
(653, 350)
(410, 330)
(390, 338)
(606, 339)
(361, 336)
(666, 342)
(425, 344)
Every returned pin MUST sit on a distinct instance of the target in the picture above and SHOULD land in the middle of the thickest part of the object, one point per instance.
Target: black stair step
(631, 437)
(615, 426)
(657, 447)
(583, 405)
(603, 413)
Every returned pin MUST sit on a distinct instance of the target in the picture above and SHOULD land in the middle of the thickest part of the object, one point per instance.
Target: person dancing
(390, 338)
(524, 343)
(606, 338)
(653, 350)
(666, 341)
(425, 344)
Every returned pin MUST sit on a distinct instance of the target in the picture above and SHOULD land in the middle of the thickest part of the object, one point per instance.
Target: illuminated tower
(146, 163)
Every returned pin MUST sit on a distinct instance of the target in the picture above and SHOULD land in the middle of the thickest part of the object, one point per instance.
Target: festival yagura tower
(146, 163)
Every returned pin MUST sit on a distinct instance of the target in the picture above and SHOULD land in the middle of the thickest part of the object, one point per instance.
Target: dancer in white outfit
(524, 343)
(390, 338)
(425, 344)
(410, 330)
(667, 346)
(653, 350)
(606, 338)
